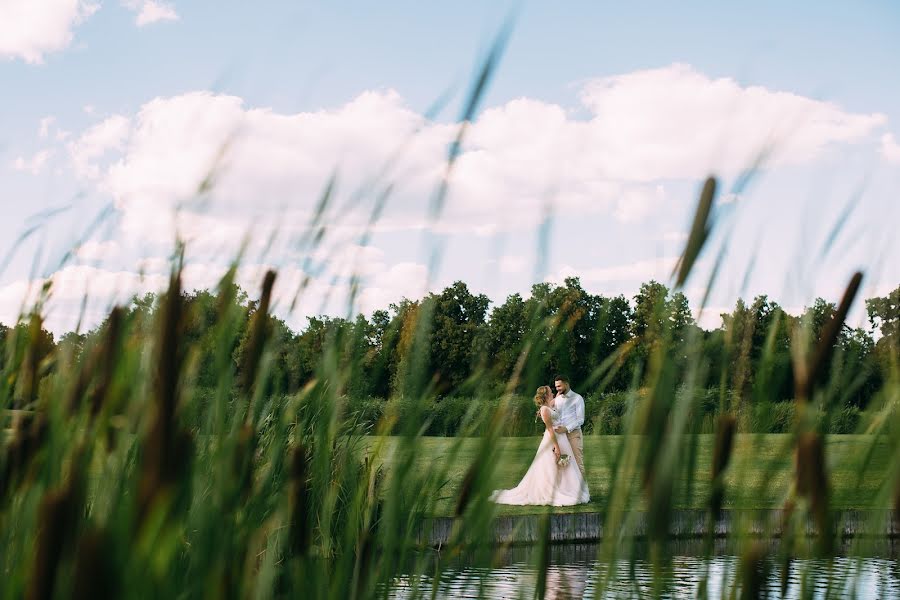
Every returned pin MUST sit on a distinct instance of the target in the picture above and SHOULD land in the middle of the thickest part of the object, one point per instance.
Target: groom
(570, 405)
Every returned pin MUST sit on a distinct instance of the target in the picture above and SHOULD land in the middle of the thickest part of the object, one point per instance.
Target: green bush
(448, 415)
(770, 417)
(844, 420)
(368, 411)
(605, 414)
(611, 415)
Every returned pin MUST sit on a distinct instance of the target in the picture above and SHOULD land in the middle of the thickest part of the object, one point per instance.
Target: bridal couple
(552, 479)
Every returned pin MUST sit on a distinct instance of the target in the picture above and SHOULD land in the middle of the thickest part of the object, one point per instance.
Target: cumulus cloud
(30, 29)
(890, 149)
(231, 170)
(641, 129)
(636, 272)
(674, 236)
(69, 287)
(99, 288)
(44, 126)
(677, 122)
(512, 264)
(110, 134)
(711, 316)
(35, 164)
(402, 280)
(151, 11)
(93, 250)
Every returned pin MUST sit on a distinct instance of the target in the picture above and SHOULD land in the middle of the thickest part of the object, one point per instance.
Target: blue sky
(609, 113)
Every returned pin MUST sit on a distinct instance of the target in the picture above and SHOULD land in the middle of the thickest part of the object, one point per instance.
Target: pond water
(862, 571)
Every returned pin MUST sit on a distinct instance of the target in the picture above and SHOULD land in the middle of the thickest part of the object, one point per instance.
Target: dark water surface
(865, 569)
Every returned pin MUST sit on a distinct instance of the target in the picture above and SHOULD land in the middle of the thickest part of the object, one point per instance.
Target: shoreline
(588, 527)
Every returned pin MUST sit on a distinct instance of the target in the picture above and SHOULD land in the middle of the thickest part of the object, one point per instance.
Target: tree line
(454, 344)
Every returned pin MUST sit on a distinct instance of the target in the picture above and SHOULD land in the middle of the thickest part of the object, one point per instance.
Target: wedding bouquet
(563, 460)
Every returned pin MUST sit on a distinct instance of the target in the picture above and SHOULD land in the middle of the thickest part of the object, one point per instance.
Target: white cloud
(642, 128)
(677, 122)
(151, 11)
(69, 287)
(35, 164)
(637, 203)
(402, 280)
(94, 251)
(30, 29)
(512, 264)
(633, 273)
(890, 149)
(268, 170)
(44, 127)
(153, 264)
(675, 236)
(711, 317)
(104, 287)
(110, 134)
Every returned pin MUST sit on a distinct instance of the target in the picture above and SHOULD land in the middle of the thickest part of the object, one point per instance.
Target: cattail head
(34, 354)
(725, 427)
(300, 505)
(108, 355)
(258, 334)
(29, 435)
(812, 481)
(811, 478)
(167, 449)
(806, 379)
(465, 491)
(58, 518)
(897, 500)
(700, 230)
(243, 459)
(102, 362)
(168, 353)
(94, 577)
(754, 572)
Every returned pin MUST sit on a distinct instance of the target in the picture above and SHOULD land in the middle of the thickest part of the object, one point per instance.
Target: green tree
(660, 322)
(383, 335)
(855, 374)
(884, 315)
(755, 351)
(203, 311)
(614, 325)
(457, 316)
(506, 331)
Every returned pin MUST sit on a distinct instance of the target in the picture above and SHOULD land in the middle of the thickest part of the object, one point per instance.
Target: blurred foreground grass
(120, 479)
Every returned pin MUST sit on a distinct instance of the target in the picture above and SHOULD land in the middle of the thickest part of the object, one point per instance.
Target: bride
(546, 481)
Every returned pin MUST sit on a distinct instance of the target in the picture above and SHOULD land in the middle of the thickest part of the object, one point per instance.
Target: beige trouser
(577, 448)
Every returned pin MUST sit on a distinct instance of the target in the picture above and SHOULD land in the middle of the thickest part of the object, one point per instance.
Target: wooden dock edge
(592, 527)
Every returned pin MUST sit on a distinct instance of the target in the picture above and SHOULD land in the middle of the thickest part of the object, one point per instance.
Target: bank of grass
(760, 477)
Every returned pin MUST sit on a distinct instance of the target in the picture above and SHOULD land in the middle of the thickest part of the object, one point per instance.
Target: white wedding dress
(546, 482)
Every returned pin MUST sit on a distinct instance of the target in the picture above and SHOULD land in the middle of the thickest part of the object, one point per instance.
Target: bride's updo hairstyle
(540, 395)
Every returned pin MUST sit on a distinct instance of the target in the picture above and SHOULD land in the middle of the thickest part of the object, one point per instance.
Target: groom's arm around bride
(571, 417)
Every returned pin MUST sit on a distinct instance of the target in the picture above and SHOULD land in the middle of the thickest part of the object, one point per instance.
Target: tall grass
(120, 477)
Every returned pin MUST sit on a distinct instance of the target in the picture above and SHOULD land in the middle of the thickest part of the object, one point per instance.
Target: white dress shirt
(571, 410)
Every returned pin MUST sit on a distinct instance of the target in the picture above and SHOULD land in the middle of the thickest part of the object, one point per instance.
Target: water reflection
(566, 582)
(576, 572)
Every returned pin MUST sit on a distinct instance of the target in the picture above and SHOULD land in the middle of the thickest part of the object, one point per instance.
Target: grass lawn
(759, 475)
